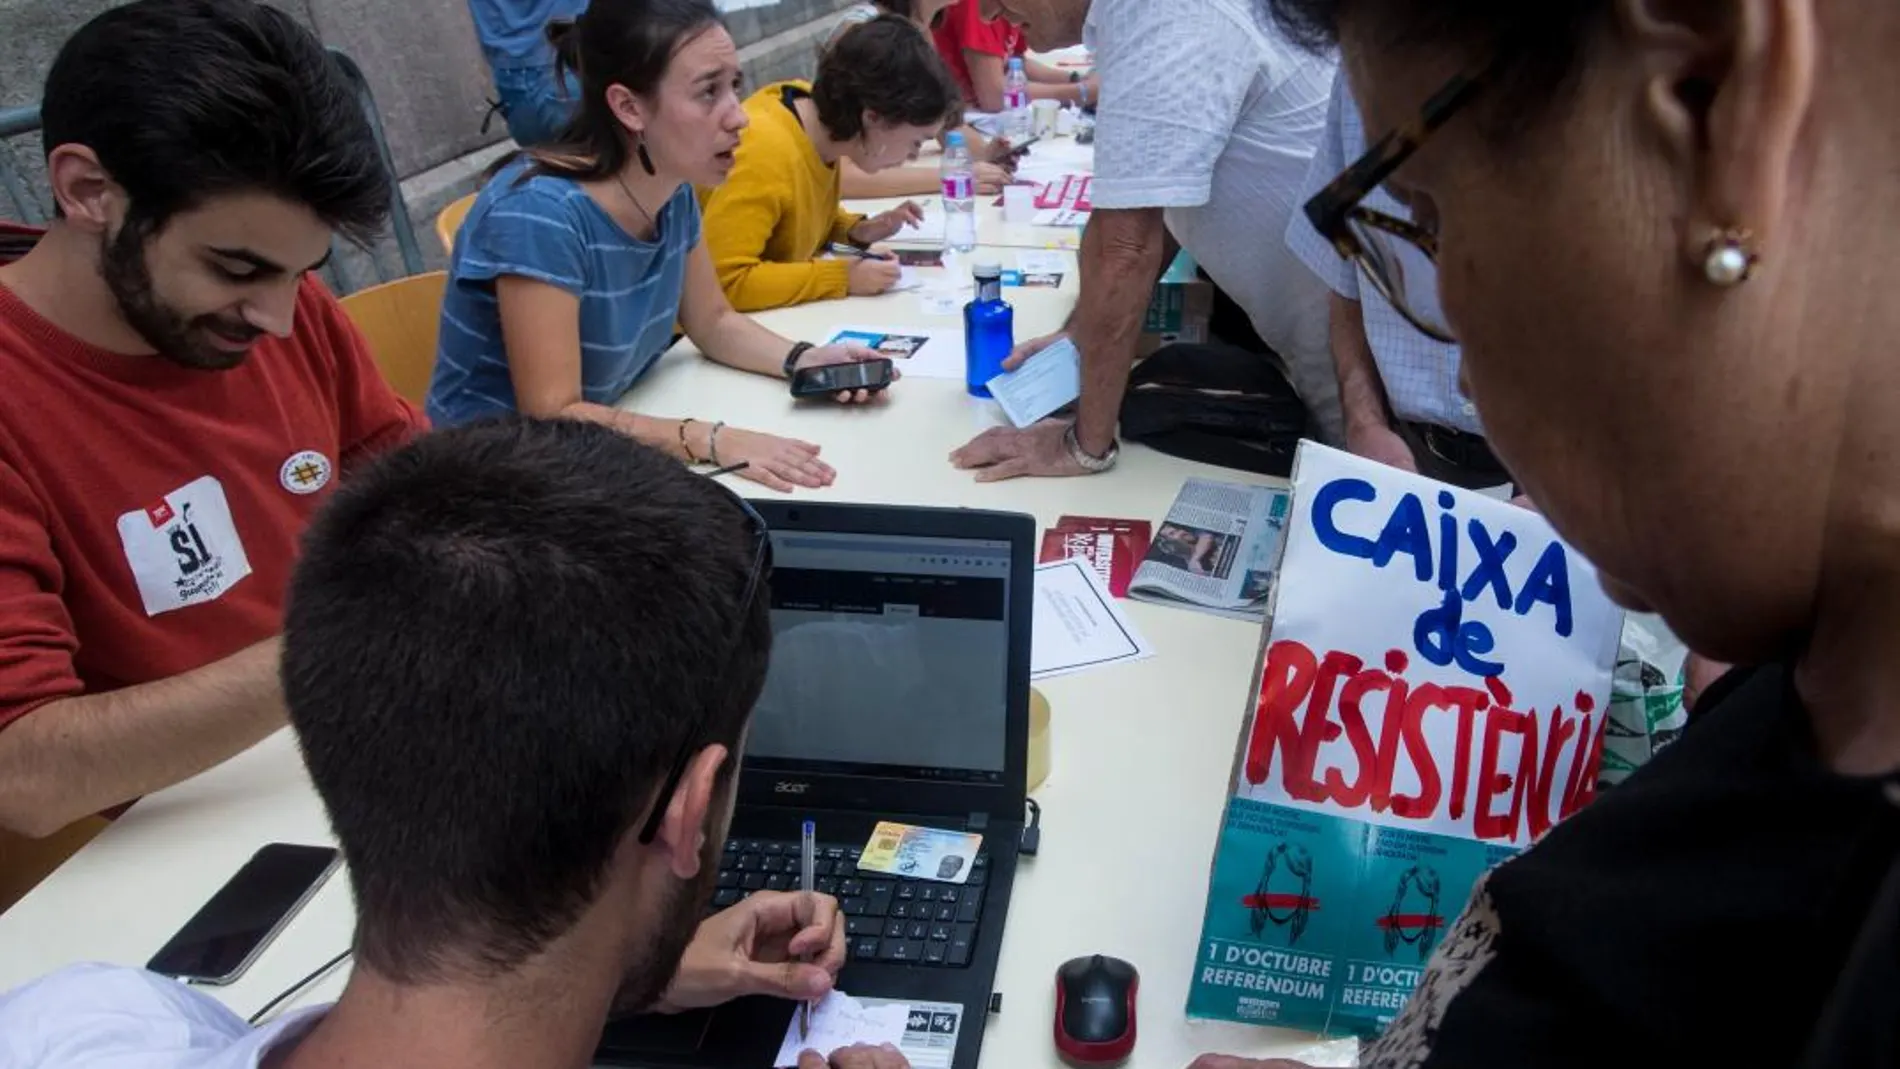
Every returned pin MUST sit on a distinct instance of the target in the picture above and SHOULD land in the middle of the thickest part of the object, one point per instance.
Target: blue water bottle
(989, 330)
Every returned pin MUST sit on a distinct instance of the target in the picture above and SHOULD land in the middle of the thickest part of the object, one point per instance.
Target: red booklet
(1114, 548)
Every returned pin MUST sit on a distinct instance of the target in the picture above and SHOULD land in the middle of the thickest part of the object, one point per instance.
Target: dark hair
(884, 66)
(626, 42)
(183, 100)
(908, 9)
(498, 639)
(1540, 43)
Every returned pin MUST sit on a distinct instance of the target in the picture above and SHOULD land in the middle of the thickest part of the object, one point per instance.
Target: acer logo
(791, 788)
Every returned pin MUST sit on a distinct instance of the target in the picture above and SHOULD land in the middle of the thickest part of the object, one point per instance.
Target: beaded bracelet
(712, 444)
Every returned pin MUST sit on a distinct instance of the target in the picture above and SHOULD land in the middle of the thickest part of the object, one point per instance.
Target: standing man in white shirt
(1205, 131)
(1398, 388)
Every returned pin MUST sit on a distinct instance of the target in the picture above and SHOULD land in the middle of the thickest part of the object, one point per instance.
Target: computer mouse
(1095, 1010)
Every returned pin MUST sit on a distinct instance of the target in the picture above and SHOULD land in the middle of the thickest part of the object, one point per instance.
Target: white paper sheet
(941, 304)
(1047, 381)
(841, 1021)
(1078, 626)
(1041, 169)
(924, 352)
(930, 231)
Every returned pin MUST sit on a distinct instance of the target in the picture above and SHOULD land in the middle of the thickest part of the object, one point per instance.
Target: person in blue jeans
(536, 100)
(578, 259)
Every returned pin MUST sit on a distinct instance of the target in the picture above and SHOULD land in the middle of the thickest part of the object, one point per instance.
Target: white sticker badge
(305, 472)
(184, 550)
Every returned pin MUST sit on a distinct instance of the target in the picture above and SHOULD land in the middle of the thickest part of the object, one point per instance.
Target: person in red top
(977, 49)
(181, 394)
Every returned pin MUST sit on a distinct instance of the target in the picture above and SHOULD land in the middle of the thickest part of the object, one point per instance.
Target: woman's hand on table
(992, 177)
(884, 225)
(824, 355)
(1011, 453)
(874, 274)
(778, 463)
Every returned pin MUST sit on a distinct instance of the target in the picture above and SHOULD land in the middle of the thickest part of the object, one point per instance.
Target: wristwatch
(791, 358)
(1074, 77)
(1089, 462)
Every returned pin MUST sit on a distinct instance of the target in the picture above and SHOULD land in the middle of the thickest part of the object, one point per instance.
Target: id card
(920, 853)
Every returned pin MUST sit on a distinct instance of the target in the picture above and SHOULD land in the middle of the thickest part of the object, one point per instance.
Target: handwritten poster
(1429, 701)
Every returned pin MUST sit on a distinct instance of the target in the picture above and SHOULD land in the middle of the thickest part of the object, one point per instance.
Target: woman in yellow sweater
(880, 93)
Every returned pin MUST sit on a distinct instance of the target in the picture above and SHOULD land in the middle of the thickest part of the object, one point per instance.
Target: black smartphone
(221, 940)
(871, 375)
(1017, 152)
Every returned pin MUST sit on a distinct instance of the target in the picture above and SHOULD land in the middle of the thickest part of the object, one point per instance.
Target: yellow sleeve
(739, 218)
(842, 223)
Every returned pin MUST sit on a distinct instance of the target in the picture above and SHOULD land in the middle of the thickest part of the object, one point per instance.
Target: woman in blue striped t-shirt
(578, 259)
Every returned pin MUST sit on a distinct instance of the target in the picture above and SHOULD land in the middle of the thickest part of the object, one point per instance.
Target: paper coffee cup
(1043, 119)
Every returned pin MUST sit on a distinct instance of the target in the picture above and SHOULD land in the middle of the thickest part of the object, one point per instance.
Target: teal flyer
(1325, 924)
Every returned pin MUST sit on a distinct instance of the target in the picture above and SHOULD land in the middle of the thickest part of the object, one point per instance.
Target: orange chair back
(449, 222)
(399, 320)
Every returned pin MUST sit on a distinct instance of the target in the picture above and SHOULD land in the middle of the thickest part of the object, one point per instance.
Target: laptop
(898, 690)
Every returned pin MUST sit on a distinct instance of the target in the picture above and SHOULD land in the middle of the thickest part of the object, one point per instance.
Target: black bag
(1216, 404)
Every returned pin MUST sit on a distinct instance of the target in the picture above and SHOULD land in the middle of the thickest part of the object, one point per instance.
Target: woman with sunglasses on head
(994, 165)
(578, 258)
(1639, 207)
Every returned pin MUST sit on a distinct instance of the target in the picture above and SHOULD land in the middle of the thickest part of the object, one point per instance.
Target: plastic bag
(1646, 711)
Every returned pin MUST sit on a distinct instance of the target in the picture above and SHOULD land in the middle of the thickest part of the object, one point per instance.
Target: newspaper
(1216, 551)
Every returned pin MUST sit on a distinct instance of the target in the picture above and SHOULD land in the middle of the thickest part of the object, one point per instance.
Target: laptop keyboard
(887, 918)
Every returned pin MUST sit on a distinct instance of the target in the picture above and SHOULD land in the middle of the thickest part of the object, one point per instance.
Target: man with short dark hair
(180, 395)
(520, 658)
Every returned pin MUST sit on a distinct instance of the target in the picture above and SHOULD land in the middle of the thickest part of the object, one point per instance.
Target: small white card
(840, 1021)
(1042, 262)
(1046, 381)
(1077, 626)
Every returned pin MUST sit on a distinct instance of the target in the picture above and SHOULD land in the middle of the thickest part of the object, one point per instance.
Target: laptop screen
(890, 657)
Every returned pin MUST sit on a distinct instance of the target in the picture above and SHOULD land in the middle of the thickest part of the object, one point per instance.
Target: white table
(1140, 753)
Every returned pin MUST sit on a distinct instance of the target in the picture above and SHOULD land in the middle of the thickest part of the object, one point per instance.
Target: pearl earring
(1729, 257)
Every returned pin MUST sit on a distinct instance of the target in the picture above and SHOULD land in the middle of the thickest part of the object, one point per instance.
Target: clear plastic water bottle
(989, 330)
(1016, 102)
(959, 195)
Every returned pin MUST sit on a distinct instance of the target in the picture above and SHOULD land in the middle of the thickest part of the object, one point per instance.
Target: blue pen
(807, 882)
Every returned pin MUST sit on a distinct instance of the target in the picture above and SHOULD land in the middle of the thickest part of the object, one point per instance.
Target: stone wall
(425, 69)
